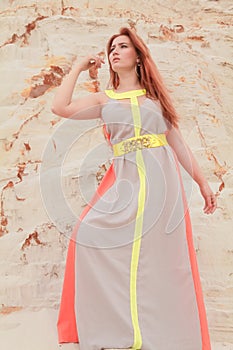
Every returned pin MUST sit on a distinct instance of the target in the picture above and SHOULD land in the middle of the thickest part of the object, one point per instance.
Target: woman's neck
(128, 82)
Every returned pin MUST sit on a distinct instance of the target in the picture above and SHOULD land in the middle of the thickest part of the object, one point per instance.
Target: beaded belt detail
(137, 143)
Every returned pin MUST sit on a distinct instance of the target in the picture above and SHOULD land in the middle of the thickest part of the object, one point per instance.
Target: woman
(131, 278)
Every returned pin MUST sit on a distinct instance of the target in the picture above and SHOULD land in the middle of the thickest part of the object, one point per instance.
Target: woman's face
(122, 54)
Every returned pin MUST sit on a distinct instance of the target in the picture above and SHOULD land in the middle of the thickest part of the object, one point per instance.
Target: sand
(192, 44)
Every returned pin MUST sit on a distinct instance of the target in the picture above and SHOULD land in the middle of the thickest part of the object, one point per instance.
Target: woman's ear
(138, 61)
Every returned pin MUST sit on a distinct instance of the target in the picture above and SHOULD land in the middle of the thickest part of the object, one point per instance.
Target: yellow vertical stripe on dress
(139, 217)
(138, 227)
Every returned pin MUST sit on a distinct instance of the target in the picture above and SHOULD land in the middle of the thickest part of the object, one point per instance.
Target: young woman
(131, 277)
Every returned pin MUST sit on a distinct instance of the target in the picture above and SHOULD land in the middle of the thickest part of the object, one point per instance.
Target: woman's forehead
(121, 39)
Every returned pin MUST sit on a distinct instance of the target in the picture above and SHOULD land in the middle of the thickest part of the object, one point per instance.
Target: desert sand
(50, 167)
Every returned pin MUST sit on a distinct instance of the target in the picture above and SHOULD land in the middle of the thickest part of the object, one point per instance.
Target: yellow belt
(137, 143)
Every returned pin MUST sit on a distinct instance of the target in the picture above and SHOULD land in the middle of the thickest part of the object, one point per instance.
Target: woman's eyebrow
(120, 44)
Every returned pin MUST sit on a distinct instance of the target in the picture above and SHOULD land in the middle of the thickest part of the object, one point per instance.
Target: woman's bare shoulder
(102, 97)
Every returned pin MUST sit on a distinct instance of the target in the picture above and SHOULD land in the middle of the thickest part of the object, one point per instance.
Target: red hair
(148, 75)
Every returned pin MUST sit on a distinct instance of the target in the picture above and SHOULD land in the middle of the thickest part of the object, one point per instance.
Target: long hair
(148, 75)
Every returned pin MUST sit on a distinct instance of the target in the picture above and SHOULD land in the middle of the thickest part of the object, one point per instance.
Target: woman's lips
(115, 59)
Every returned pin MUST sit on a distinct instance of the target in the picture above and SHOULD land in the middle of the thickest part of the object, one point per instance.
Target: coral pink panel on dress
(66, 325)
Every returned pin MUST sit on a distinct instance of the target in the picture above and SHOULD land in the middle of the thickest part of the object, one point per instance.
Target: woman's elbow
(59, 111)
(53, 110)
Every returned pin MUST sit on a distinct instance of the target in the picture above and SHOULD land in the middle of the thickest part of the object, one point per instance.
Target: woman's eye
(124, 45)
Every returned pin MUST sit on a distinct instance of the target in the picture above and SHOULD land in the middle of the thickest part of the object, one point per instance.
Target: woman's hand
(91, 61)
(209, 197)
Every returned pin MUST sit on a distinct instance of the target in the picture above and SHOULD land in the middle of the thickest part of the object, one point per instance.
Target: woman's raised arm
(87, 107)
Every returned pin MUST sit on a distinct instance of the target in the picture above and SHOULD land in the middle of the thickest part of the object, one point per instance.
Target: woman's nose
(115, 51)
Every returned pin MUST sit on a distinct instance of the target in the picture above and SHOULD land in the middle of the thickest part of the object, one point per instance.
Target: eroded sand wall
(191, 43)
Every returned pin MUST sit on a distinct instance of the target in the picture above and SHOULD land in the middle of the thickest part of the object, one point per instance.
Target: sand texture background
(50, 166)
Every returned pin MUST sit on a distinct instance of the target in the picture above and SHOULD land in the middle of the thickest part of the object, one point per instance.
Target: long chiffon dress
(131, 277)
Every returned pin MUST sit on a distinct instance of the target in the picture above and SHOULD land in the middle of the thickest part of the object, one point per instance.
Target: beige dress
(131, 279)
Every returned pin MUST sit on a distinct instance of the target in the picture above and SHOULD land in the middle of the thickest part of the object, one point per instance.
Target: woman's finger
(210, 204)
(96, 60)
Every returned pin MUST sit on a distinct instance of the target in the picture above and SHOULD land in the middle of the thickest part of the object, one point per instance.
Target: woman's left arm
(189, 163)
